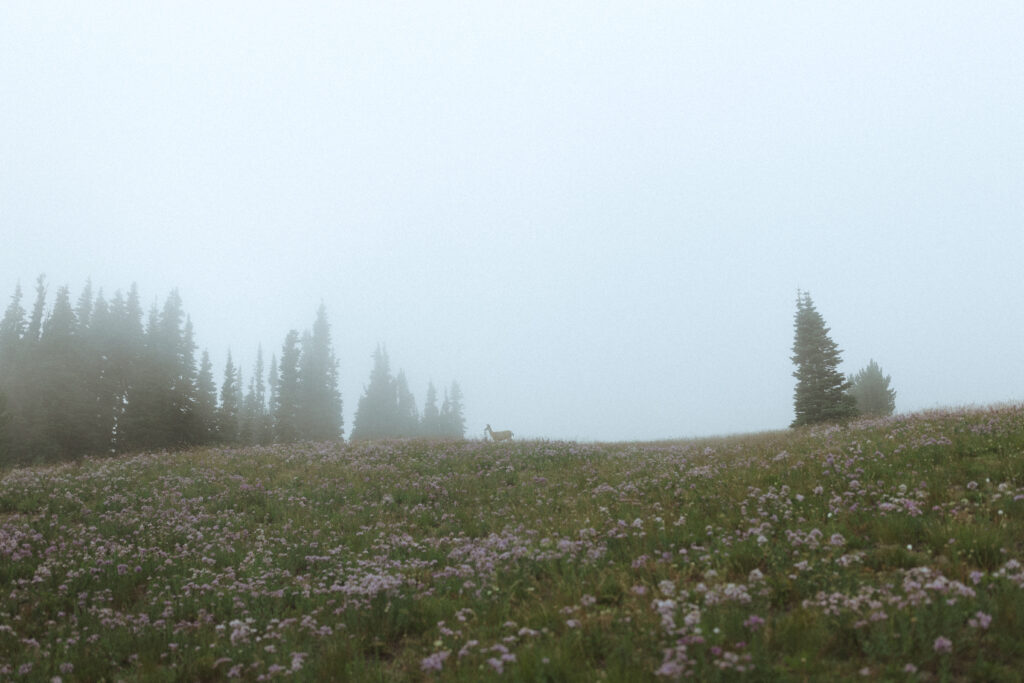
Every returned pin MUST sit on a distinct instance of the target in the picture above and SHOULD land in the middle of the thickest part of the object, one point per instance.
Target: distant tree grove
(101, 376)
(387, 408)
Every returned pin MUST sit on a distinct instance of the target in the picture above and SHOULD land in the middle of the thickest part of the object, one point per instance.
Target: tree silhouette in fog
(870, 389)
(821, 393)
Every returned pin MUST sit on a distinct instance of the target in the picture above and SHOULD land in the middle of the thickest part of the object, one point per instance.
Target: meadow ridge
(888, 549)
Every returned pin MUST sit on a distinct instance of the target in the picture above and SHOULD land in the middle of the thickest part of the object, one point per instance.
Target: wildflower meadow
(889, 549)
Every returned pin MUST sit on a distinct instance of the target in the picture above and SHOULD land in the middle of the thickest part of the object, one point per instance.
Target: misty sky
(594, 215)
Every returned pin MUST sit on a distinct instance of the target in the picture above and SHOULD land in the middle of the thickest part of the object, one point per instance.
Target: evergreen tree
(161, 387)
(12, 329)
(272, 384)
(377, 411)
(64, 417)
(229, 420)
(430, 425)
(5, 430)
(179, 354)
(103, 379)
(93, 318)
(256, 428)
(286, 407)
(206, 415)
(453, 423)
(870, 389)
(822, 392)
(35, 323)
(124, 341)
(320, 400)
(407, 414)
(84, 308)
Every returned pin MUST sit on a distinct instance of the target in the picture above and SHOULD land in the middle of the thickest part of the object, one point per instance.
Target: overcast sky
(593, 215)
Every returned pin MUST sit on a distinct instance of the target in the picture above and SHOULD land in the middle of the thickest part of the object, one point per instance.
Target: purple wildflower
(435, 661)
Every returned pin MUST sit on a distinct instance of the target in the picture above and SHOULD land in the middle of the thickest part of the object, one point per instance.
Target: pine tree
(821, 393)
(104, 378)
(272, 384)
(5, 430)
(256, 428)
(124, 367)
(64, 416)
(430, 425)
(229, 420)
(12, 329)
(205, 414)
(452, 418)
(84, 308)
(161, 386)
(286, 407)
(377, 411)
(870, 389)
(35, 323)
(93, 319)
(320, 401)
(407, 413)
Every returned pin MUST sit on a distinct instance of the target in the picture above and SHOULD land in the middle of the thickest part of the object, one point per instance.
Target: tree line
(823, 393)
(103, 376)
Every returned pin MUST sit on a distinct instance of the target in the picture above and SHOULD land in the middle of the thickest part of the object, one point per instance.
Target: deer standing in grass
(498, 436)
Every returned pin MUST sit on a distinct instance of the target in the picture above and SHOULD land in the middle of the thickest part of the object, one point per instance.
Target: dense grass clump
(890, 549)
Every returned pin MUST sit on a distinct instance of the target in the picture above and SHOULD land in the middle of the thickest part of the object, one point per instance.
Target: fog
(594, 216)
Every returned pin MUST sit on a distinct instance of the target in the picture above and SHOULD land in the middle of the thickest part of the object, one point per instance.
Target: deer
(498, 436)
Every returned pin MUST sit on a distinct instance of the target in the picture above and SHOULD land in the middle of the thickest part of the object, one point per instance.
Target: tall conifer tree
(822, 392)
(205, 415)
(408, 415)
(12, 329)
(64, 419)
(430, 424)
(320, 398)
(230, 403)
(377, 412)
(35, 323)
(453, 420)
(286, 408)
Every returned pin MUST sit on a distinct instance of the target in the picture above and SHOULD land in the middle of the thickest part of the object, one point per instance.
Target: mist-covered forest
(98, 375)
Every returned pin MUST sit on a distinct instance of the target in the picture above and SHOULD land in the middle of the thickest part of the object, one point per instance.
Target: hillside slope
(889, 549)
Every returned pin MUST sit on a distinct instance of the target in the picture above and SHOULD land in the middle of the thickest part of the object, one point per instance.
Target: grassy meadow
(888, 549)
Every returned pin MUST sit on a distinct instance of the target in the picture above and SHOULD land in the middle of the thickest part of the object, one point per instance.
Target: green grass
(825, 553)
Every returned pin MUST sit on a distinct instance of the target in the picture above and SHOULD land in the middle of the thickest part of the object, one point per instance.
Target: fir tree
(205, 415)
(870, 389)
(12, 329)
(453, 422)
(286, 407)
(63, 420)
(5, 430)
(821, 393)
(272, 384)
(104, 379)
(230, 403)
(430, 424)
(377, 411)
(256, 428)
(35, 323)
(84, 308)
(407, 414)
(320, 401)
(124, 341)
(161, 388)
